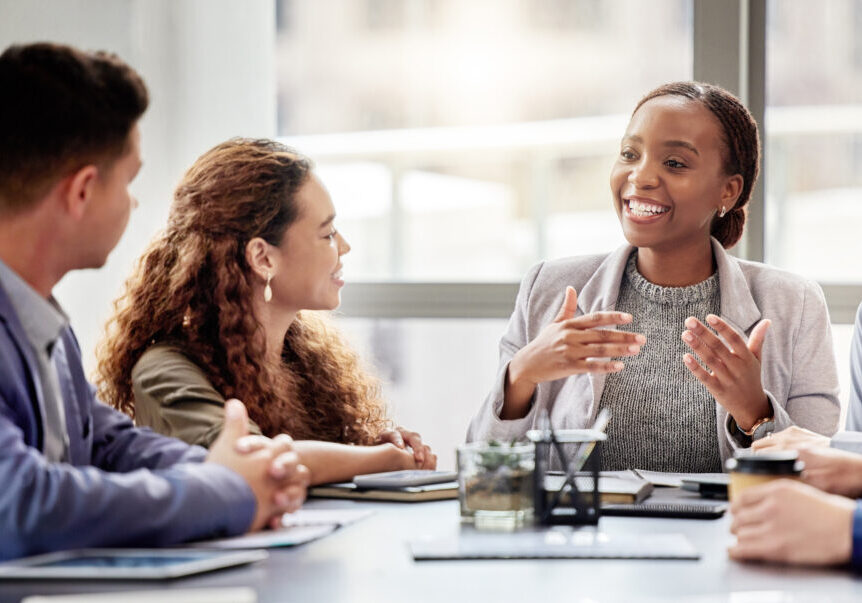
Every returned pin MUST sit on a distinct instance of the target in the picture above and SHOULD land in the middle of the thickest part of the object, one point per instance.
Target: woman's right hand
(567, 346)
(789, 522)
(403, 438)
(400, 458)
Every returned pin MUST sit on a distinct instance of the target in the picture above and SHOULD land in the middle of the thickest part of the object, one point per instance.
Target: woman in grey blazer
(628, 331)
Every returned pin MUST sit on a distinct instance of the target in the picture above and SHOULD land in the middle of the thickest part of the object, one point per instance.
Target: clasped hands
(407, 441)
(270, 466)
(569, 346)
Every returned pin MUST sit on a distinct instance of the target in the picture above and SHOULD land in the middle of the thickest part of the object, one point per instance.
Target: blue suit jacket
(122, 486)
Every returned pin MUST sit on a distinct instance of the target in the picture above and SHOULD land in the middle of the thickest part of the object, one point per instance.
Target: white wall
(209, 66)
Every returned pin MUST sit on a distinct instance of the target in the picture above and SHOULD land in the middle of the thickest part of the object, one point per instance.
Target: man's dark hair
(61, 109)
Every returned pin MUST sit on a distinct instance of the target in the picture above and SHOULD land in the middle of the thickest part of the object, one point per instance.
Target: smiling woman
(225, 304)
(682, 395)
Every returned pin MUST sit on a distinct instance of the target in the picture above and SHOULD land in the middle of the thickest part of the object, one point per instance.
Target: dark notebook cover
(443, 491)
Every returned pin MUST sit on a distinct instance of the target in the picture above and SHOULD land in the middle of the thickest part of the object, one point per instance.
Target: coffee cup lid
(766, 463)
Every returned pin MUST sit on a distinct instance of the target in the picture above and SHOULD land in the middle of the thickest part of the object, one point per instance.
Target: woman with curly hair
(222, 305)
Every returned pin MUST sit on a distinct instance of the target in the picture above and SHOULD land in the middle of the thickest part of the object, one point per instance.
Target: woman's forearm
(330, 462)
(517, 393)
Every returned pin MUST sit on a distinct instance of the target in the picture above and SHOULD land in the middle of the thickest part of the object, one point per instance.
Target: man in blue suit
(74, 472)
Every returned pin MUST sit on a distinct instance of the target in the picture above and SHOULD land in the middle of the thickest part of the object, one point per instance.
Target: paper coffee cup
(748, 469)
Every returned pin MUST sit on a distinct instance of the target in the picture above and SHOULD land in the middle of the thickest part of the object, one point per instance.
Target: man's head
(69, 148)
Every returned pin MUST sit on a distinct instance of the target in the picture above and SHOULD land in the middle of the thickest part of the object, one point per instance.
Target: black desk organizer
(578, 501)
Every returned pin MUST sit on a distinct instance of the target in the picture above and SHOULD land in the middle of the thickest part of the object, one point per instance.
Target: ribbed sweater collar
(669, 295)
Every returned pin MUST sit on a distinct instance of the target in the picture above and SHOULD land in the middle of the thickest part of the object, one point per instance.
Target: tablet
(124, 564)
(404, 479)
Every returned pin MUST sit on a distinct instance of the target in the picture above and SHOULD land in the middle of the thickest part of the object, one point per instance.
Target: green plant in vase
(501, 477)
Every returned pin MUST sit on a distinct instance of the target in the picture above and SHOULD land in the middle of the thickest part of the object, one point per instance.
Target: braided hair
(740, 147)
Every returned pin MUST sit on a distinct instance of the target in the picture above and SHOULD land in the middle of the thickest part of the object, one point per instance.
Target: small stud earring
(722, 212)
(267, 290)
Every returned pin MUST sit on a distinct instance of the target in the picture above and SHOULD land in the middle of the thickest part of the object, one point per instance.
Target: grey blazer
(798, 361)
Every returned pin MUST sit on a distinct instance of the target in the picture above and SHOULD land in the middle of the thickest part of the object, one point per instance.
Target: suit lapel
(600, 293)
(19, 338)
(737, 304)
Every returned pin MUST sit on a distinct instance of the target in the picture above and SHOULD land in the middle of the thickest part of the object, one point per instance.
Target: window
(813, 147)
(463, 141)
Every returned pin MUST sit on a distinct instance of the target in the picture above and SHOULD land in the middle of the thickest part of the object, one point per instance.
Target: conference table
(370, 560)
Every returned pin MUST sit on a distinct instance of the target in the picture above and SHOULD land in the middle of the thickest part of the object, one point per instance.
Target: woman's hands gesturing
(733, 377)
(567, 346)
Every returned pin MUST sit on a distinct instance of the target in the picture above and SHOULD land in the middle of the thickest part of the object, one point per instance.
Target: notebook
(708, 485)
(669, 509)
(614, 486)
(442, 491)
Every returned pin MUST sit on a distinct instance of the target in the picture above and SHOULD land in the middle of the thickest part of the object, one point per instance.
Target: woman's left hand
(403, 438)
(733, 377)
(792, 438)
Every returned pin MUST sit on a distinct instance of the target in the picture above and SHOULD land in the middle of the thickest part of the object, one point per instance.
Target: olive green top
(173, 396)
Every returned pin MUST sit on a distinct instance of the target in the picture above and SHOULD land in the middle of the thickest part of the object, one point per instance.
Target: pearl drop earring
(267, 290)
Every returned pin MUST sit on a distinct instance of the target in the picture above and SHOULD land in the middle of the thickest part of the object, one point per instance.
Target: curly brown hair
(192, 288)
(741, 147)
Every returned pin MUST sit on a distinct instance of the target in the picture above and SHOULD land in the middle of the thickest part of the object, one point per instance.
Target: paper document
(273, 538)
(674, 480)
(313, 517)
(303, 526)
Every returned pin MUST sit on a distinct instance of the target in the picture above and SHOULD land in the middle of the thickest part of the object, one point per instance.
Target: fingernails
(626, 316)
(640, 339)
(634, 349)
(242, 446)
(687, 336)
(688, 359)
(712, 319)
(690, 322)
(617, 366)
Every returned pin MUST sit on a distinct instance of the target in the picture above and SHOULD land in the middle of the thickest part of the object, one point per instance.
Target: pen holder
(572, 496)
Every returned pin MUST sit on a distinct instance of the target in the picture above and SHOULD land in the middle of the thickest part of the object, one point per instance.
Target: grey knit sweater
(662, 417)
